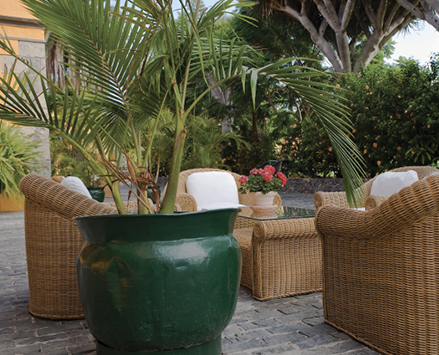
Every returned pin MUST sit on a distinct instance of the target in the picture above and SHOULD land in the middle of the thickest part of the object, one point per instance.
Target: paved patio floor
(292, 325)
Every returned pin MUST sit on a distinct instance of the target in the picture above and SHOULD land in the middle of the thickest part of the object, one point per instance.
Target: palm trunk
(171, 191)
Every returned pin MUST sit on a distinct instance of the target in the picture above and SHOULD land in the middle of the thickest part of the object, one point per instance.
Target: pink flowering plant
(263, 180)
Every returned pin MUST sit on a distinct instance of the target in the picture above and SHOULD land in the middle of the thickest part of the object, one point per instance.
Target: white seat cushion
(390, 183)
(75, 184)
(212, 187)
(219, 205)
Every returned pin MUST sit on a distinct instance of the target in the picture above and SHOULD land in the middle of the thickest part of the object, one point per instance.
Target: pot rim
(158, 215)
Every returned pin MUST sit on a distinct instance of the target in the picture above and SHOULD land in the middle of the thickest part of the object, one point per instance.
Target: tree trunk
(223, 97)
(327, 23)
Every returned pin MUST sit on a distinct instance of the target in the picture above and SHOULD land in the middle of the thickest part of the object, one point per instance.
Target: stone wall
(296, 185)
(309, 185)
(28, 40)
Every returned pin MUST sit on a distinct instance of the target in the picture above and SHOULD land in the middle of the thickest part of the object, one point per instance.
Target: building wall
(28, 40)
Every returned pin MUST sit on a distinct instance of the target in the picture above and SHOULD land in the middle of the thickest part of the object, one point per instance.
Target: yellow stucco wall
(23, 32)
(14, 44)
(9, 204)
(14, 8)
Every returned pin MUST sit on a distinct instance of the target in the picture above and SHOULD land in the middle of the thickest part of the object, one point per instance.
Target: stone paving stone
(292, 325)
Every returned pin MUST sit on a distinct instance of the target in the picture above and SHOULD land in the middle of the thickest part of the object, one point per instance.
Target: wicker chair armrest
(244, 222)
(410, 205)
(245, 199)
(186, 202)
(53, 196)
(283, 229)
(374, 201)
(330, 198)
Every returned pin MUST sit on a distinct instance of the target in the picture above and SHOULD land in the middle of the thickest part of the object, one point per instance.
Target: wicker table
(281, 255)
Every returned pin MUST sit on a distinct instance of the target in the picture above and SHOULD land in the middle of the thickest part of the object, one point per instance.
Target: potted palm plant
(151, 282)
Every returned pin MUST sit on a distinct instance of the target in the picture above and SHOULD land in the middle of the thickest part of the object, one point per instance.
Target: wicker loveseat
(52, 245)
(381, 269)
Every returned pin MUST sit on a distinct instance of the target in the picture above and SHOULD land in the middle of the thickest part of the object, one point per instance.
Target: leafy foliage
(396, 114)
(309, 151)
(18, 157)
(135, 61)
(203, 148)
(395, 122)
(67, 161)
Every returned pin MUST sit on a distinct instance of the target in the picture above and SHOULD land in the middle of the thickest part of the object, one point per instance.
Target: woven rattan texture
(374, 201)
(245, 222)
(381, 270)
(55, 197)
(280, 257)
(287, 257)
(339, 198)
(244, 238)
(52, 245)
(188, 203)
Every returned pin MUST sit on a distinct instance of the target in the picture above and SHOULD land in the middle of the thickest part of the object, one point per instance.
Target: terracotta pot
(162, 283)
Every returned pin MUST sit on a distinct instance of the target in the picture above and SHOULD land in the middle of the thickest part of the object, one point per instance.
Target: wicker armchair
(339, 198)
(52, 245)
(381, 270)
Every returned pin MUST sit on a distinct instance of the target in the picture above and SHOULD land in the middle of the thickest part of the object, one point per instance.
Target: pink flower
(267, 176)
(254, 172)
(270, 169)
(281, 176)
(243, 179)
(261, 171)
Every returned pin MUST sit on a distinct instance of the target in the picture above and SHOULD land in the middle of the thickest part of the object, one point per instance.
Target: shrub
(67, 161)
(395, 113)
(309, 151)
(18, 157)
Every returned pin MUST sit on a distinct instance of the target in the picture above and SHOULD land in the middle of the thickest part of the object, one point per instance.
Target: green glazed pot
(97, 193)
(162, 283)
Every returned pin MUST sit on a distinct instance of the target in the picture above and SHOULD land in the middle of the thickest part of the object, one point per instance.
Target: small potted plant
(264, 184)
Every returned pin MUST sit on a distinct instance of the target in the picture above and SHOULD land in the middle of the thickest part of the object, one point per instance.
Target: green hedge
(395, 117)
(395, 113)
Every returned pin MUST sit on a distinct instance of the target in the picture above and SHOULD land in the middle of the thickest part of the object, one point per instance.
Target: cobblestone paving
(292, 325)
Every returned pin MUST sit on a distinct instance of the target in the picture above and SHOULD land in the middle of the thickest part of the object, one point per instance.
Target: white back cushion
(75, 184)
(390, 183)
(212, 187)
